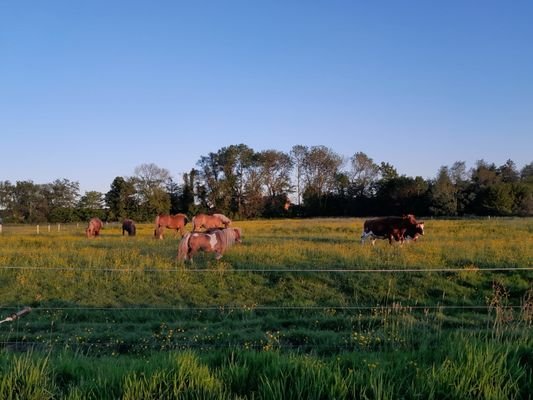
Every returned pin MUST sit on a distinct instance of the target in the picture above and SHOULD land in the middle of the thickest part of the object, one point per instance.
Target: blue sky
(91, 89)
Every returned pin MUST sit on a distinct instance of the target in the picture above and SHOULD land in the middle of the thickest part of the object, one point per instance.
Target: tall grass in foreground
(27, 377)
(471, 368)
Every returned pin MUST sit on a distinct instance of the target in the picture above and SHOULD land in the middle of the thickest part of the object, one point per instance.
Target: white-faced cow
(397, 228)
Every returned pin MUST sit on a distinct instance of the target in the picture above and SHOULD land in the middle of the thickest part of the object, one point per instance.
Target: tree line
(305, 182)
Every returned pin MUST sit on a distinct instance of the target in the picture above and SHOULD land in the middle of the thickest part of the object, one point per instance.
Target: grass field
(299, 310)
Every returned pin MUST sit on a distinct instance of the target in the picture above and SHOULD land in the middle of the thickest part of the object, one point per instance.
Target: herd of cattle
(392, 228)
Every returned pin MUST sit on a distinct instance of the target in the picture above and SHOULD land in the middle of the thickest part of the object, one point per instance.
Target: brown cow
(397, 228)
(94, 227)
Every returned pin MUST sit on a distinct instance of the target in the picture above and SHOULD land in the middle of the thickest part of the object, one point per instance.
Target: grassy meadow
(299, 310)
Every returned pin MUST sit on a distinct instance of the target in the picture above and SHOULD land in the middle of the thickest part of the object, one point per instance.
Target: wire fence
(21, 334)
(248, 308)
(273, 270)
(268, 271)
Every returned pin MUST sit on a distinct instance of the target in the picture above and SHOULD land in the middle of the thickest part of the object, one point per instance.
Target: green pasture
(299, 308)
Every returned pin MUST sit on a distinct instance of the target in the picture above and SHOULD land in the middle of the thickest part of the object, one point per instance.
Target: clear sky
(91, 89)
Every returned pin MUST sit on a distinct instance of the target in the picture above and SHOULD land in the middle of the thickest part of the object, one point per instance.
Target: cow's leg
(364, 236)
(368, 235)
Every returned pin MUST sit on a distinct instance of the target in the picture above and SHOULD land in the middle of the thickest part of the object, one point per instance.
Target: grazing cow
(128, 226)
(397, 228)
(94, 227)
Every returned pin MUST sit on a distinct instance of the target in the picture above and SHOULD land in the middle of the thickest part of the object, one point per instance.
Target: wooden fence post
(37, 229)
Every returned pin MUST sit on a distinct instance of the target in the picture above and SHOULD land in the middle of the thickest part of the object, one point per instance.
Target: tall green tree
(6, 199)
(150, 184)
(175, 192)
(483, 176)
(508, 172)
(209, 189)
(62, 196)
(187, 195)
(443, 197)
(275, 170)
(363, 174)
(403, 195)
(522, 194)
(497, 199)
(235, 160)
(321, 168)
(256, 202)
(121, 199)
(91, 204)
(269, 183)
(387, 171)
(526, 173)
(459, 177)
(29, 204)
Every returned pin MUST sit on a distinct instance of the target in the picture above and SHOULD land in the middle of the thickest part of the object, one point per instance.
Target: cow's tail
(183, 248)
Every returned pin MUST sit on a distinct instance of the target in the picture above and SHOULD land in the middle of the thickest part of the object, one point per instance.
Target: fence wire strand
(266, 270)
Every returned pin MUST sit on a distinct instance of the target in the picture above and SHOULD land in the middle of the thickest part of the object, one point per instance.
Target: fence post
(58, 227)
(37, 229)
(48, 228)
(0, 228)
